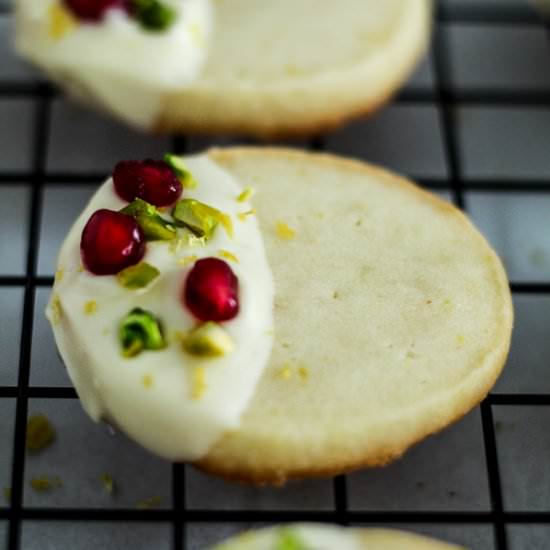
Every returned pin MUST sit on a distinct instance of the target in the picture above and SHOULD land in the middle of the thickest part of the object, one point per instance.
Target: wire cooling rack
(474, 126)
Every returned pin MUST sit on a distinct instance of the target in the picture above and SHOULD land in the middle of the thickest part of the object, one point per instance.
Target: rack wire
(178, 515)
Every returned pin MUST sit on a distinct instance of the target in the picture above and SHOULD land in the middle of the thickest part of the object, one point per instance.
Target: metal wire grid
(445, 99)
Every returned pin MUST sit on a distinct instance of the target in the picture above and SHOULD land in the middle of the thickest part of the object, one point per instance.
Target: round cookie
(327, 537)
(261, 68)
(391, 318)
(392, 313)
(293, 68)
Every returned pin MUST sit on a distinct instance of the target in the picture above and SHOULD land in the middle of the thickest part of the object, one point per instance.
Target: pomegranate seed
(111, 242)
(93, 10)
(150, 180)
(211, 291)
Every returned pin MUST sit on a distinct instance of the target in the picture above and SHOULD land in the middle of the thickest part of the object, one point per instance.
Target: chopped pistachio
(108, 483)
(199, 383)
(138, 276)
(147, 381)
(200, 218)
(244, 215)
(284, 231)
(154, 15)
(208, 340)
(228, 256)
(180, 169)
(246, 194)
(155, 228)
(90, 307)
(140, 330)
(186, 260)
(61, 21)
(288, 539)
(148, 503)
(7, 494)
(44, 483)
(40, 433)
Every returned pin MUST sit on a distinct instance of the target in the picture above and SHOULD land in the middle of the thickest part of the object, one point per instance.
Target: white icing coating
(164, 417)
(313, 537)
(107, 62)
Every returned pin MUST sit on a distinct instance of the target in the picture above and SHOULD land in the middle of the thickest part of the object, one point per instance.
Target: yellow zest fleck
(56, 309)
(227, 224)
(244, 215)
(246, 194)
(285, 373)
(59, 274)
(460, 340)
(293, 70)
(61, 21)
(7, 494)
(186, 260)
(90, 307)
(197, 35)
(199, 383)
(448, 305)
(229, 256)
(108, 483)
(304, 373)
(80, 268)
(147, 381)
(149, 503)
(284, 231)
(44, 483)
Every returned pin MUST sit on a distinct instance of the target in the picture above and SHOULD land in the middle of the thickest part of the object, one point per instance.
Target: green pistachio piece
(138, 276)
(208, 340)
(140, 330)
(180, 169)
(289, 540)
(197, 216)
(40, 433)
(154, 15)
(155, 228)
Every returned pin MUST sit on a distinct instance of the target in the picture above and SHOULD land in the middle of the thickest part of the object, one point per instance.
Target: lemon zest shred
(246, 195)
(199, 383)
(90, 307)
(284, 231)
(186, 260)
(229, 256)
(60, 21)
(244, 215)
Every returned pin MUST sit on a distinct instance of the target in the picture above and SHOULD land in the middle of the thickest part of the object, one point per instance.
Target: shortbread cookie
(323, 323)
(326, 537)
(262, 68)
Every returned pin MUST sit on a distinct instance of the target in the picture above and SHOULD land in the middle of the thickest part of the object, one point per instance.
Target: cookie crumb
(40, 433)
(148, 503)
(108, 483)
(44, 484)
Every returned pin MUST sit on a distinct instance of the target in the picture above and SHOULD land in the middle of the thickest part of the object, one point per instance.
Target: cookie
(231, 66)
(325, 537)
(372, 314)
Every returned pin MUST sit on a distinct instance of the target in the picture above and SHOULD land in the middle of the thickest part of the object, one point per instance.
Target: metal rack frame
(445, 99)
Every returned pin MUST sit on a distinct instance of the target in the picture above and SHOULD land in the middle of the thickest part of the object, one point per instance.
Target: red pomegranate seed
(111, 242)
(212, 291)
(150, 180)
(93, 10)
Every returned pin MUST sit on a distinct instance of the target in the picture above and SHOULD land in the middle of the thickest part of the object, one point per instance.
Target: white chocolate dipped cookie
(273, 68)
(330, 537)
(323, 323)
